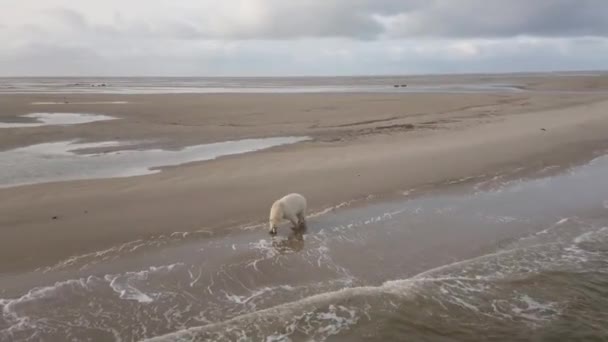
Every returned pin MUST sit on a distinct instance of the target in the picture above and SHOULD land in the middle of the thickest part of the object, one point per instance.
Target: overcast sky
(299, 37)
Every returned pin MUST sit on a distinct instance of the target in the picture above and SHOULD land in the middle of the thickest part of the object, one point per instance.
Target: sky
(299, 37)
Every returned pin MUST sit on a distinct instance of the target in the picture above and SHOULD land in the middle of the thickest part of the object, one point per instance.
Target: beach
(356, 151)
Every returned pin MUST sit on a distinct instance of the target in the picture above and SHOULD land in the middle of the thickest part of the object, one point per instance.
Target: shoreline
(350, 158)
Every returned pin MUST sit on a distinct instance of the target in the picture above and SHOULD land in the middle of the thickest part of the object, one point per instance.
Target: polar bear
(291, 207)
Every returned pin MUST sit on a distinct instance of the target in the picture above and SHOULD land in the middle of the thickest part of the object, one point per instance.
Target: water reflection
(55, 119)
(294, 241)
(65, 160)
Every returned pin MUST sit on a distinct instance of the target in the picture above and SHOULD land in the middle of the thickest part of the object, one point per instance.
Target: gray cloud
(51, 60)
(364, 19)
(479, 18)
(279, 19)
(310, 57)
(274, 37)
(372, 19)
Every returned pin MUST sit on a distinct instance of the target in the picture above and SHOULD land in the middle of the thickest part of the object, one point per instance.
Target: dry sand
(363, 144)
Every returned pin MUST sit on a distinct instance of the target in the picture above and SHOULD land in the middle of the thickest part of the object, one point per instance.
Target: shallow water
(56, 119)
(212, 85)
(61, 161)
(494, 259)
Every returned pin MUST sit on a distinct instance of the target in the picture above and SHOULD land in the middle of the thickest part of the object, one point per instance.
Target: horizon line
(319, 75)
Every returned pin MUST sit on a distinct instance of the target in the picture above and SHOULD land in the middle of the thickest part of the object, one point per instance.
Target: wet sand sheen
(65, 102)
(56, 119)
(359, 147)
(455, 254)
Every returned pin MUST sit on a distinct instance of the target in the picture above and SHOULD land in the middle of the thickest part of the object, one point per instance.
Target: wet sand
(363, 144)
(498, 256)
(432, 215)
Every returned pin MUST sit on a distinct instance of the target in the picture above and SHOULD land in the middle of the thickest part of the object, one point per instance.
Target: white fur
(291, 207)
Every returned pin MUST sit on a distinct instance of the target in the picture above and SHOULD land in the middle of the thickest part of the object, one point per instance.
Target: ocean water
(177, 85)
(493, 258)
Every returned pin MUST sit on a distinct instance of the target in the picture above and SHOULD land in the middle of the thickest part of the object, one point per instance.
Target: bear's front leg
(294, 220)
(301, 219)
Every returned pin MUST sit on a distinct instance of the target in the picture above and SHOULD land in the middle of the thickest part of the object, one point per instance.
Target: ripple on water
(351, 276)
(488, 291)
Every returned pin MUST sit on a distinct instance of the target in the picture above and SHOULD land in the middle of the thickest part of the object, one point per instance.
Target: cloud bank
(304, 37)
